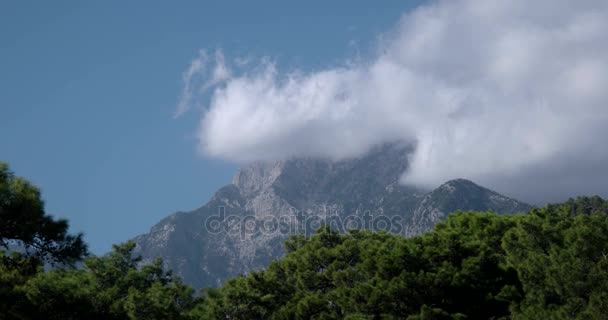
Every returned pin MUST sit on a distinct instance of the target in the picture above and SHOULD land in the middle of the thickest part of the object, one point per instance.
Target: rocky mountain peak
(314, 178)
(257, 176)
(452, 194)
(262, 190)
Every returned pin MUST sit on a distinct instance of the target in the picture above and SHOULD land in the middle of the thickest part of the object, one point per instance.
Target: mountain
(243, 226)
(459, 194)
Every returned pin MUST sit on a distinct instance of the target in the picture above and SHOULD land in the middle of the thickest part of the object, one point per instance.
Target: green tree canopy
(26, 226)
(114, 286)
(551, 263)
(560, 253)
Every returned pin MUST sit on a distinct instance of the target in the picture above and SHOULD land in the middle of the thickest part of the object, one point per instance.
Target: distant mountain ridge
(266, 190)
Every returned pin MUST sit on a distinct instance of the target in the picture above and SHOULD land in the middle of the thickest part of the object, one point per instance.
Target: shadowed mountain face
(268, 201)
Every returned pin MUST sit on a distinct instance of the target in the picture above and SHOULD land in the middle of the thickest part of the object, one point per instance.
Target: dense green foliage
(114, 286)
(25, 225)
(561, 257)
(109, 287)
(551, 263)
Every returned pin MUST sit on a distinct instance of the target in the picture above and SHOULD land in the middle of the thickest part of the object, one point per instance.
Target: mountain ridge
(312, 187)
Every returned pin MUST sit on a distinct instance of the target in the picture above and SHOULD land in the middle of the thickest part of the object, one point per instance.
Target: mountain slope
(459, 194)
(286, 191)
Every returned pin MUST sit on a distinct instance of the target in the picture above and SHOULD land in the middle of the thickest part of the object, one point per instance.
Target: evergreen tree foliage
(550, 263)
(26, 226)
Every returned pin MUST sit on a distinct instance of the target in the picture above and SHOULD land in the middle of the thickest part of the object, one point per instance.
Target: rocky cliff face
(243, 226)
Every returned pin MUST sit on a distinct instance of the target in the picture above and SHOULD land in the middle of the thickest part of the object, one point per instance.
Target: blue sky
(88, 91)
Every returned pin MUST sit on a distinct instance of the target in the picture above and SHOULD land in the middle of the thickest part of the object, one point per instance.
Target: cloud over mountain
(512, 94)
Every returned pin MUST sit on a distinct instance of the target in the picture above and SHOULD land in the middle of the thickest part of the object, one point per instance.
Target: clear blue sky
(88, 89)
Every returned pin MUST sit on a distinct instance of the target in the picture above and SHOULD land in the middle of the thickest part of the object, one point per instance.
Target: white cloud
(512, 94)
(196, 81)
(190, 82)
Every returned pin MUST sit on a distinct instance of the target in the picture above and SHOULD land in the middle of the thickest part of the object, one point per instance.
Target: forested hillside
(550, 263)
